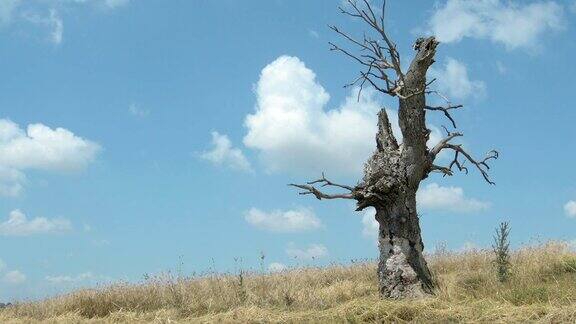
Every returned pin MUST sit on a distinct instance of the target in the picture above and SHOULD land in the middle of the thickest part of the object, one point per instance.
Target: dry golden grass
(542, 289)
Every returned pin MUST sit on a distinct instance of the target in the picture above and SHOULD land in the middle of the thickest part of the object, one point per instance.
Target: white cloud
(453, 81)
(41, 148)
(570, 208)
(449, 199)
(2, 265)
(312, 252)
(19, 225)
(276, 267)
(370, 226)
(70, 279)
(299, 220)
(514, 24)
(137, 111)
(14, 277)
(223, 153)
(292, 130)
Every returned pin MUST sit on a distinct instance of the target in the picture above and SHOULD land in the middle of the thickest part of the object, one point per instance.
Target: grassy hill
(542, 289)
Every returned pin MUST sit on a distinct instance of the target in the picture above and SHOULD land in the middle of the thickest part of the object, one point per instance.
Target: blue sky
(136, 136)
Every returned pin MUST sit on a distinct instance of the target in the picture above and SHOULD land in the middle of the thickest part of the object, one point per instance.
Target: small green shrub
(501, 248)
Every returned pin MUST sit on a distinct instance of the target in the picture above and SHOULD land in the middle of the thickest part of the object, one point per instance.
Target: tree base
(402, 271)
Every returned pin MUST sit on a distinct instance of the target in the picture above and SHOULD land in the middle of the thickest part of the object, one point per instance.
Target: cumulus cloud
(298, 220)
(312, 252)
(43, 148)
(292, 130)
(449, 199)
(370, 226)
(453, 80)
(19, 225)
(570, 208)
(276, 267)
(224, 154)
(40, 148)
(14, 277)
(513, 24)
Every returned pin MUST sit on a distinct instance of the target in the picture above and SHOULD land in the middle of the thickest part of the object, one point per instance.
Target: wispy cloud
(14, 277)
(18, 224)
(45, 14)
(136, 110)
(314, 34)
(312, 252)
(66, 279)
(51, 22)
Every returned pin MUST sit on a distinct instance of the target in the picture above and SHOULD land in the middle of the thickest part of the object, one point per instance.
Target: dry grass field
(542, 288)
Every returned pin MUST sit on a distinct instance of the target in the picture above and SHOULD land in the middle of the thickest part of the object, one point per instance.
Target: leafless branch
(481, 165)
(376, 57)
(446, 111)
(310, 189)
(442, 144)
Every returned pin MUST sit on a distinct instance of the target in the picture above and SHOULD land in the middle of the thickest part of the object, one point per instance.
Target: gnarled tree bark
(393, 173)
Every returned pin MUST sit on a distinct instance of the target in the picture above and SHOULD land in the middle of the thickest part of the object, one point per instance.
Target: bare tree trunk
(402, 270)
(393, 173)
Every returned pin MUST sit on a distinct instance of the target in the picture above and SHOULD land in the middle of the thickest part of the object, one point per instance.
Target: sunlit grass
(541, 288)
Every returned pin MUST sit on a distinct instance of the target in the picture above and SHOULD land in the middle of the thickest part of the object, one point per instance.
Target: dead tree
(394, 171)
